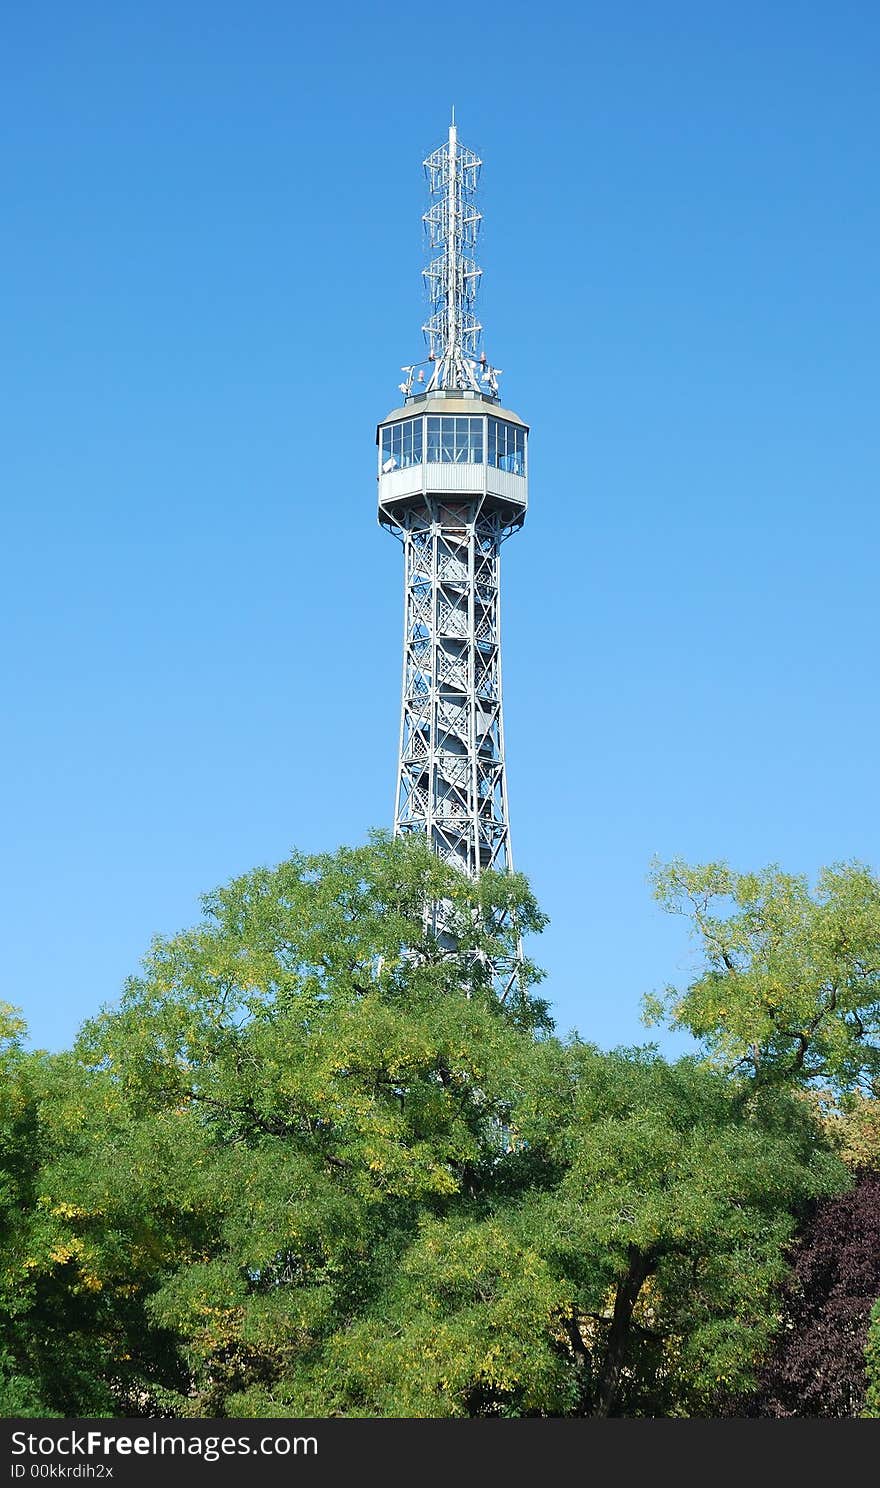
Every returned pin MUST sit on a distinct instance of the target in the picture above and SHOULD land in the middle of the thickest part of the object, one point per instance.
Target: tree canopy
(790, 989)
(311, 1165)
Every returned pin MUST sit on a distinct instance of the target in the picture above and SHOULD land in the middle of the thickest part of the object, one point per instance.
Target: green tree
(311, 1165)
(851, 1122)
(282, 1093)
(685, 1192)
(790, 989)
(22, 1252)
(62, 1332)
(858, 1133)
(629, 1268)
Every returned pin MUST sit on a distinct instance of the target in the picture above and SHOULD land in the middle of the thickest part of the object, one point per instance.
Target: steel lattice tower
(452, 486)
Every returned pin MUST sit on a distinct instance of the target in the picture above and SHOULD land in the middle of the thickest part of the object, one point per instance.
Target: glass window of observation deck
(507, 446)
(402, 445)
(455, 440)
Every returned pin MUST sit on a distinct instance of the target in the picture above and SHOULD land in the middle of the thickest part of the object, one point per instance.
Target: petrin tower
(452, 486)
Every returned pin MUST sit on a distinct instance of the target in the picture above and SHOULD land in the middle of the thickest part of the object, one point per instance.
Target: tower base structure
(452, 488)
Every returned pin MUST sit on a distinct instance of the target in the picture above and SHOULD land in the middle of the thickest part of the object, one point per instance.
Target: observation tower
(453, 484)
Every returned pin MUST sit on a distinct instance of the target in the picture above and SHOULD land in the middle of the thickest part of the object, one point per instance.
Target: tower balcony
(450, 447)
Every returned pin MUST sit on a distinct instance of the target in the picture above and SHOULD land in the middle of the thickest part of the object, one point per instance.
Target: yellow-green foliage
(311, 1165)
(790, 988)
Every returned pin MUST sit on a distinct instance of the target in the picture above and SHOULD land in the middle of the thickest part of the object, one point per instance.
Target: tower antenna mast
(452, 227)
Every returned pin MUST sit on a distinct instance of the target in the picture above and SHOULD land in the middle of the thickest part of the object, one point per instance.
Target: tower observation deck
(453, 482)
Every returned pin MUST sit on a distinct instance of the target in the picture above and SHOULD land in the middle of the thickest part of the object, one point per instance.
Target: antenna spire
(452, 224)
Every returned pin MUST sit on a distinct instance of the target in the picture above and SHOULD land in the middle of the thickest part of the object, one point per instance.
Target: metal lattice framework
(451, 778)
(452, 488)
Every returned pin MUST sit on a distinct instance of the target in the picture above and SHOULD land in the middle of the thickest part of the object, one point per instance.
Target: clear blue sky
(211, 261)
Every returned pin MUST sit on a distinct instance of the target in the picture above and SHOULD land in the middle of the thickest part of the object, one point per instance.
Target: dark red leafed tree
(818, 1365)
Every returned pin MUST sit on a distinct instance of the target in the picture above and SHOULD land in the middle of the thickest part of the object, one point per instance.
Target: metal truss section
(452, 782)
